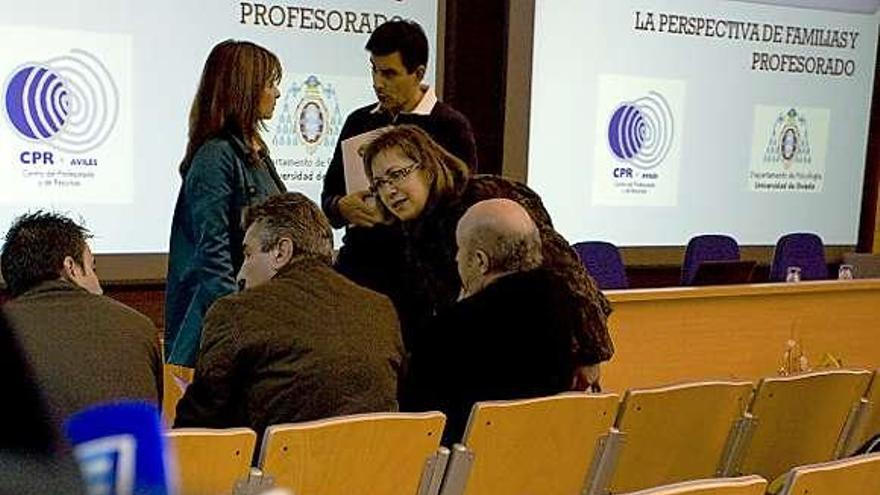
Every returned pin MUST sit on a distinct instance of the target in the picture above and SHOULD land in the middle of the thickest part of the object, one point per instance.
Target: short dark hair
(296, 217)
(36, 246)
(403, 36)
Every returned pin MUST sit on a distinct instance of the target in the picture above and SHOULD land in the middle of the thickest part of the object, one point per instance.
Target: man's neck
(294, 264)
(411, 103)
(488, 280)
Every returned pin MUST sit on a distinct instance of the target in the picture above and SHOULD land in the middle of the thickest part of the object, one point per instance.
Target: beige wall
(665, 336)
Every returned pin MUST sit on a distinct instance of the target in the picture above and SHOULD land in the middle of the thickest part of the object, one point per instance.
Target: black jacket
(432, 282)
(511, 340)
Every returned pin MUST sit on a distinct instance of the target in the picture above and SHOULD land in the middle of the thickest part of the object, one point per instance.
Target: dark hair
(406, 37)
(293, 216)
(233, 80)
(35, 248)
(446, 173)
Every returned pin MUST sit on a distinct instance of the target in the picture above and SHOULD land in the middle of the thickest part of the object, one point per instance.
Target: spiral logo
(640, 132)
(69, 102)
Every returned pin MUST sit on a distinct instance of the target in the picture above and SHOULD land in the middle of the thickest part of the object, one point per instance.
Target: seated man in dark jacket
(509, 336)
(300, 342)
(84, 348)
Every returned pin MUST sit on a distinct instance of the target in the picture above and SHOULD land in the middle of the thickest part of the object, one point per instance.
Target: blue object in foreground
(120, 449)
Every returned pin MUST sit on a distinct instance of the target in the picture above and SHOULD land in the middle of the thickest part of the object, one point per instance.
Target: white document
(353, 160)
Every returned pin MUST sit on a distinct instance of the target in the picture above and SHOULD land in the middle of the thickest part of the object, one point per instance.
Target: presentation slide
(96, 98)
(654, 121)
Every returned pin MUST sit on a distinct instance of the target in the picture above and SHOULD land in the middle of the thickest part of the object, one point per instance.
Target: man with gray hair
(299, 342)
(509, 335)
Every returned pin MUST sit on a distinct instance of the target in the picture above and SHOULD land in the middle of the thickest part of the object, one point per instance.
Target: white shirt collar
(425, 106)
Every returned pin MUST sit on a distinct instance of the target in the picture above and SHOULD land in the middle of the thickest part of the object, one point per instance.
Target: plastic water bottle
(793, 274)
(845, 272)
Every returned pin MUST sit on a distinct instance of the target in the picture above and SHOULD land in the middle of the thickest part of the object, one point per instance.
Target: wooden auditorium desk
(672, 335)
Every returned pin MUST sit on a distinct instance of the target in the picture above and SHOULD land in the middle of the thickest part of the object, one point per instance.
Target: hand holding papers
(353, 160)
(360, 209)
(359, 205)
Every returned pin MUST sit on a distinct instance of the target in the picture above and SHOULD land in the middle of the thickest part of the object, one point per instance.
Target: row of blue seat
(802, 249)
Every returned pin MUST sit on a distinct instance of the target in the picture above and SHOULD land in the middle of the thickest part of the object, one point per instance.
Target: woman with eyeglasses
(426, 190)
(226, 168)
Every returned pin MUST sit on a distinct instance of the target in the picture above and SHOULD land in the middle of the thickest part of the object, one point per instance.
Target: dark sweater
(306, 345)
(511, 340)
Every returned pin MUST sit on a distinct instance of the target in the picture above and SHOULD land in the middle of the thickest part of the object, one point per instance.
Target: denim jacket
(206, 237)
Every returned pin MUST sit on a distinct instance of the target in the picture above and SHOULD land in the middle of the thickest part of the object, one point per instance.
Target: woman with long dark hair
(427, 190)
(226, 168)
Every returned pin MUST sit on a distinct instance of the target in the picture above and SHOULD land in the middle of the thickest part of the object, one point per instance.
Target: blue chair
(801, 249)
(603, 263)
(708, 247)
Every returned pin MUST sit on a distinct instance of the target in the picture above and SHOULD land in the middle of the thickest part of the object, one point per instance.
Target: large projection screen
(97, 96)
(649, 122)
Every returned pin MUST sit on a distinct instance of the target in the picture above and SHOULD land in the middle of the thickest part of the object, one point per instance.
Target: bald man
(509, 335)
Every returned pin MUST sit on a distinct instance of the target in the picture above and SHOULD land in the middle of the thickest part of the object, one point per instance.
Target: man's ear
(482, 261)
(420, 72)
(284, 252)
(68, 268)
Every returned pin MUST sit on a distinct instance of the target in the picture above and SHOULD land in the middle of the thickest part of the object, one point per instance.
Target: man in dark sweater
(509, 336)
(398, 57)
(83, 347)
(300, 342)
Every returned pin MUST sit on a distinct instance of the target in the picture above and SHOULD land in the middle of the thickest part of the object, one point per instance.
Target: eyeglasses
(394, 177)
